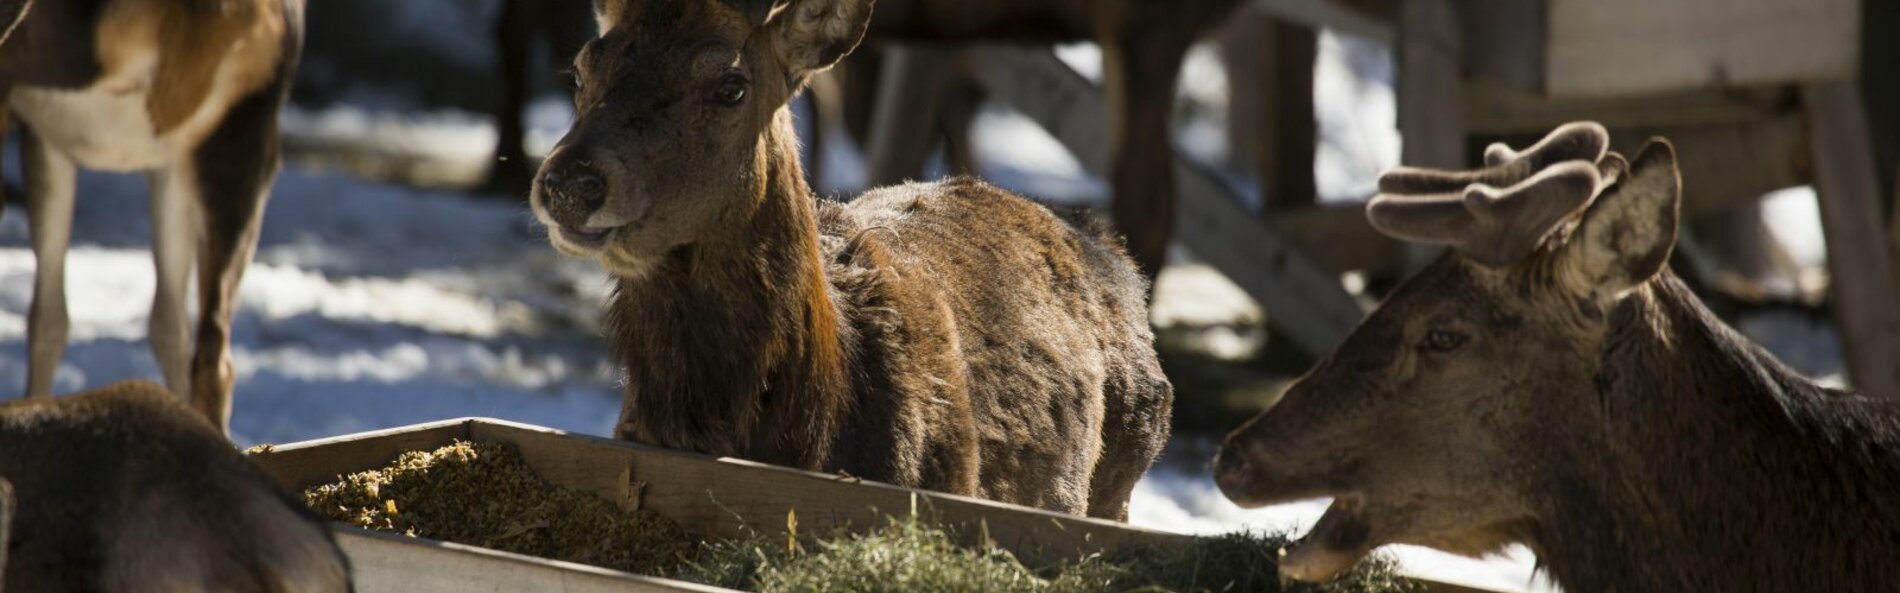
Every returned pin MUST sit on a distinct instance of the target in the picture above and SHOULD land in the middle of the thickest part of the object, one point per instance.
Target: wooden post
(1431, 97)
(1859, 255)
(1272, 128)
(909, 90)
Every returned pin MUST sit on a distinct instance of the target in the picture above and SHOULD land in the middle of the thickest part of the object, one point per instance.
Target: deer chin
(1341, 539)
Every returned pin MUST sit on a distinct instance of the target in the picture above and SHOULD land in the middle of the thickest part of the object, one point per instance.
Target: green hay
(911, 555)
(484, 494)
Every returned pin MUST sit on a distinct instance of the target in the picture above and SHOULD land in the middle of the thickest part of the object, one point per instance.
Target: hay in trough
(484, 494)
(909, 554)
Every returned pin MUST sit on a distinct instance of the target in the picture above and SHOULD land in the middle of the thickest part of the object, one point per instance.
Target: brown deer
(950, 335)
(1143, 43)
(126, 489)
(187, 91)
(1550, 382)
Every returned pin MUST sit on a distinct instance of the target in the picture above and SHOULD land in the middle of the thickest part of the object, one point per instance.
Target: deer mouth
(586, 236)
(1341, 538)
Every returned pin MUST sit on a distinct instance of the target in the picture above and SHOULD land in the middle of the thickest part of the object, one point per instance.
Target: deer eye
(1439, 340)
(730, 90)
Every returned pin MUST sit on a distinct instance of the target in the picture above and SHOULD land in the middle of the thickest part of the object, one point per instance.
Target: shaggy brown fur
(1583, 402)
(1143, 43)
(126, 489)
(951, 336)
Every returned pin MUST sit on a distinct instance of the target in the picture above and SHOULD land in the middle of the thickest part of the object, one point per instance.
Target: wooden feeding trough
(713, 497)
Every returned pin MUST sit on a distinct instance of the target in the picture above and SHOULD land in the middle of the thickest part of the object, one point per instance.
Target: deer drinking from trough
(186, 91)
(1550, 382)
(126, 489)
(950, 336)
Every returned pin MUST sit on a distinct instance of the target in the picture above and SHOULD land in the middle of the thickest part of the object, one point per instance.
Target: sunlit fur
(950, 335)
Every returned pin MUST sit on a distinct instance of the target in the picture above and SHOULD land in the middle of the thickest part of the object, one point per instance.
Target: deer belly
(99, 128)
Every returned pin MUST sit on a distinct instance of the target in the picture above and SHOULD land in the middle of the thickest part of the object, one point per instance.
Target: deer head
(1425, 424)
(674, 104)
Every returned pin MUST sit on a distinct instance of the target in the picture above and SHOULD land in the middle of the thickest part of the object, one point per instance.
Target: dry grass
(483, 494)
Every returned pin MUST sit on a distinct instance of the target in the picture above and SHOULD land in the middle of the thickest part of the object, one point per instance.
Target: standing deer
(1550, 382)
(950, 335)
(187, 91)
(125, 489)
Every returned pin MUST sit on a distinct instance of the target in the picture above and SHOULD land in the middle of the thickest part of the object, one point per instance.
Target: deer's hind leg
(232, 171)
(50, 178)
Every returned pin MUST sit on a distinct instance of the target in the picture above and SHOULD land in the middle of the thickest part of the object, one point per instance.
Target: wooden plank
(390, 563)
(1624, 47)
(302, 465)
(1302, 299)
(1860, 262)
(571, 461)
(725, 497)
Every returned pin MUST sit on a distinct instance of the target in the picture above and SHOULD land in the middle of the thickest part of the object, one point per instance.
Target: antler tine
(1587, 141)
(1494, 227)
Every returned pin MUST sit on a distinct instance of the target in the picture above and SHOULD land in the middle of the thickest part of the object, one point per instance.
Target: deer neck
(733, 345)
(1703, 433)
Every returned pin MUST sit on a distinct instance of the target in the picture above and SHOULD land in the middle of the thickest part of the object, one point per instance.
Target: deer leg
(50, 178)
(234, 169)
(514, 33)
(1139, 75)
(174, 234)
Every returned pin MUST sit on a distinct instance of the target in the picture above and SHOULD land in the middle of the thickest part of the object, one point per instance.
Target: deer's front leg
(50, 178)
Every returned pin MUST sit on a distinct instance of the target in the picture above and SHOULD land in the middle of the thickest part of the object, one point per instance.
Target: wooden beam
(1630, 47)
(1859, 254)
(1495, 107)
(1302, 298)
(904, 121)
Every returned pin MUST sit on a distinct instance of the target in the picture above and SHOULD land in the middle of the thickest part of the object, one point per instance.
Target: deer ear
(814, 34)
(1627, 234)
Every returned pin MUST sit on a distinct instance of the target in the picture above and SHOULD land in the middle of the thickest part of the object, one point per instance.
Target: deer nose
(577, 188)
(1231, 470)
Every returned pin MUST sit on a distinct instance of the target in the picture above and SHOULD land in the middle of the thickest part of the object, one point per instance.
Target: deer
(186, 91)
(125, 488)
(1143, 44)
(1549, 381)
(948, 335)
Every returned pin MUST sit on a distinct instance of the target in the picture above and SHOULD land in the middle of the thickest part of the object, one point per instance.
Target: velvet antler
(1497, 215)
